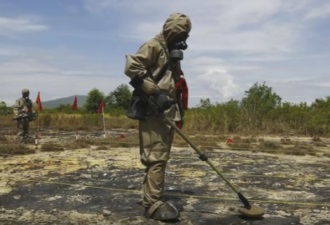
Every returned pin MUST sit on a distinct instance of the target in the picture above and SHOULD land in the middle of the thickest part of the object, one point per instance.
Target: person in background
(24, 113)
(154, 71)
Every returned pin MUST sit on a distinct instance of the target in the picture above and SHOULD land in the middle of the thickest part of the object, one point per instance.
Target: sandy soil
(95, 186)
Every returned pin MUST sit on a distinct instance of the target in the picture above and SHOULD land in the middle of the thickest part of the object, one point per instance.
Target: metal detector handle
(203, 157)
(200, 153)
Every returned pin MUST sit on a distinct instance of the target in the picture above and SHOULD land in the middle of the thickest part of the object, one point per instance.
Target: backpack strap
(164, 48)
(164, 69)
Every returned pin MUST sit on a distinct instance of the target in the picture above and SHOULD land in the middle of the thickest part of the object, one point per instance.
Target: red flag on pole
(101, 107)
(75, 103)
(38, 101)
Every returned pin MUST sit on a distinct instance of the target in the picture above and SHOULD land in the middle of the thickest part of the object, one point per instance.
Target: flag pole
(36, 141)
(38, 129)
(74, 107)
(103, 122)
(38, 101)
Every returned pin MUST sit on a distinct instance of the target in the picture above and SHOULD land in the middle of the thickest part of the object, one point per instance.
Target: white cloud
(212, 79)
(232, 45)
(25, 66)
(73, 9)
(321, 12)
(9, 52)
(47, 72)
(219, 82)
(18, 25)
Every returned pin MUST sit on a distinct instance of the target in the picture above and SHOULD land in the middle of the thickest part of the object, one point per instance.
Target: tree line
(260, 110)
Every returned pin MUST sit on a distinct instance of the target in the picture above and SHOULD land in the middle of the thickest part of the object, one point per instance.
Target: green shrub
(15, 149)
(51, 147)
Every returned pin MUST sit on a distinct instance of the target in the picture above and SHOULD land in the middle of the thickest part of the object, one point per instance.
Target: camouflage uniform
(24, 113)
(155, 135)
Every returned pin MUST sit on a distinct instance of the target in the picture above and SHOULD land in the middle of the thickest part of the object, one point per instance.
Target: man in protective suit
(154, 71)
(23, 110)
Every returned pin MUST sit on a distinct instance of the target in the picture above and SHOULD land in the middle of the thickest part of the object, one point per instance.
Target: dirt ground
(102, 186)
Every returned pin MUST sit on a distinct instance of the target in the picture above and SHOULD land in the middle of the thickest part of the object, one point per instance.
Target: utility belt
(30, 116)
(137, 109)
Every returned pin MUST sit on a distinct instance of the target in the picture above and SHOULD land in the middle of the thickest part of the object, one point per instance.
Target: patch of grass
(269, 145)
(286, 141)
(102, 147)
(15, 149)
(320, 144)
(103, 143)
(79, 143)
(240, 146)
(3, 139)
(237, 138)
(51, 147)
(178, 141)
(316, 139)
(124, 142)
(245, 140)
(295, 152)
(300, 149)
(203, 141)
(326, 155)
(253, 140)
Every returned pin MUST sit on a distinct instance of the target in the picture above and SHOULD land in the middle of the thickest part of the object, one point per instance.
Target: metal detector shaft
(204, 158)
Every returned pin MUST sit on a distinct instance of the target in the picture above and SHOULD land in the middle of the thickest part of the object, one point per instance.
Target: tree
(232, 115)
(321, 104)
(93, 100)
(3, 105)
(259, 102)
(63, 108)
(119, 98)
(4, 110)
(205, 103)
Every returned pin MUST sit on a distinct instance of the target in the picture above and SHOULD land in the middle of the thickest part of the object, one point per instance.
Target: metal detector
(248, 209)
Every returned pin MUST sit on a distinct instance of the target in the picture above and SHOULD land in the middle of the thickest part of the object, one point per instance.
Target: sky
(64, 48)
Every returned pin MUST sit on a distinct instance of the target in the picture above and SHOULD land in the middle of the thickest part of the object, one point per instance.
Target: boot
(163, 211)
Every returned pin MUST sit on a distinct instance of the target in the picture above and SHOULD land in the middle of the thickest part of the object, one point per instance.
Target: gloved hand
(161, 102)
(21, 116)
(149, 87)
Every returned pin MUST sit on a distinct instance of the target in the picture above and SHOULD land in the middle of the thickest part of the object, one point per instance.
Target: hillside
(64, 101)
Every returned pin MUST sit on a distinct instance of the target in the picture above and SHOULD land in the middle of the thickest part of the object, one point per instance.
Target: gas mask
(25, 93)
(182, 45)
(177, 46)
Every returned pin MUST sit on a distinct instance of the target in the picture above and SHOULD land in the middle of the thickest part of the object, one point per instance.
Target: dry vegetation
(205, 138)
(15, 149)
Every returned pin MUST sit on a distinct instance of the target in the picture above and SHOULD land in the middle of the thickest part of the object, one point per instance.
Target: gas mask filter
(176, 53)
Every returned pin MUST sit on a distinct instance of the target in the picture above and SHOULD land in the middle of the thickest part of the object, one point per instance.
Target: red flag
(75, 103)
(101, 107)
(182, 89)
(229, 141)
(38, 101)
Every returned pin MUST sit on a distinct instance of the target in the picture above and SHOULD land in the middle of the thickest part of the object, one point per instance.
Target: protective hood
(175, 24)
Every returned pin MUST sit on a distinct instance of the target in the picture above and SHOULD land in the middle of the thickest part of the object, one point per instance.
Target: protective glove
(149, 87)
(21, 116)
(161, 102)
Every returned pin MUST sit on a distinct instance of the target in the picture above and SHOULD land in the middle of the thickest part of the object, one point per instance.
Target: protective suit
(158, 73)
(23, 110)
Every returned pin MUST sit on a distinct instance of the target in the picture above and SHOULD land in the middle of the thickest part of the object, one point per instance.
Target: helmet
(25, 92)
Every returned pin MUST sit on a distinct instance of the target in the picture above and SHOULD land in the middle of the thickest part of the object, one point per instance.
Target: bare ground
(102, 186)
